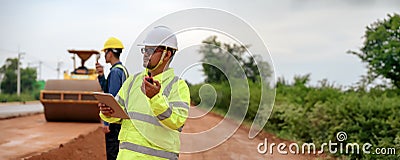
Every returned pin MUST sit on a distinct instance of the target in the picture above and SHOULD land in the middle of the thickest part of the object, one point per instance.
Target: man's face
(151, 56)
(107, 55)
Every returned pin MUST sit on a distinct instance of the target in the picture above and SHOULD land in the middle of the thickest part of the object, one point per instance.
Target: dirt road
(33, 138)
(239, 146)
(32, 135)
(14, 109)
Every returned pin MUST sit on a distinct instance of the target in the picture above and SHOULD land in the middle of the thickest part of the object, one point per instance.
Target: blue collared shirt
(114, 80)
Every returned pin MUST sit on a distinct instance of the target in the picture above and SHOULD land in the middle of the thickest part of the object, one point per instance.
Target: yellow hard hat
(113, 42)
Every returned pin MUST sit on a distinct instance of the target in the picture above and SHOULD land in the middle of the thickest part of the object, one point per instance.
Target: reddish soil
(31, 135)
(239, 146)
(85, 147)
(33, 138)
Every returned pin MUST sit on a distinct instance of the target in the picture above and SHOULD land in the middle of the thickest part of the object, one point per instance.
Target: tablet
(110, 101)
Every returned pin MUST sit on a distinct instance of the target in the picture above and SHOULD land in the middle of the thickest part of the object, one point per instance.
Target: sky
(302, 36)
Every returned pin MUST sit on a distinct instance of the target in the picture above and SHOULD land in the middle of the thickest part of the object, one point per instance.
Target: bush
(223, 96)
(316, 114)
(22, 98)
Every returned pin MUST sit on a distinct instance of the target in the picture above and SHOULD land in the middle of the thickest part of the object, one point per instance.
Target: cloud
(303, 36)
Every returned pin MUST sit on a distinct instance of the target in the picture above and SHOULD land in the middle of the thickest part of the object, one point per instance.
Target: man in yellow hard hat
(156, 101)
(118, 74)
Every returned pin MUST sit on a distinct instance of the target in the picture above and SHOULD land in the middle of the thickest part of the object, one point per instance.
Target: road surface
(9, 110)
(33, 137)
(30, 135)
(239, 146)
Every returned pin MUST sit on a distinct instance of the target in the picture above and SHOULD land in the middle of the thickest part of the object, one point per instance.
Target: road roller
(71, 99)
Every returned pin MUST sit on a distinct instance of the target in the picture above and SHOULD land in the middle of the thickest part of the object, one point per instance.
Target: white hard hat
(160, 36)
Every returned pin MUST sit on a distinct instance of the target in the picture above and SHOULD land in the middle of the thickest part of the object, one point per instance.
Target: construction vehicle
(71, 99)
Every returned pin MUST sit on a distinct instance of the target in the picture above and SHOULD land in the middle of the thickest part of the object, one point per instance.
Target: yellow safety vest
(126, 76)
(123, 69)
(153, 130)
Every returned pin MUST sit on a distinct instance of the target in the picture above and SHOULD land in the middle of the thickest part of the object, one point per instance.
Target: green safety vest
(120, 66)
(123, 69)
(153, 130)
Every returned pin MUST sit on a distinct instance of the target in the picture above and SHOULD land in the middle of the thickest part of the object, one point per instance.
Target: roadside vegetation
(30, 87)
(366, 112)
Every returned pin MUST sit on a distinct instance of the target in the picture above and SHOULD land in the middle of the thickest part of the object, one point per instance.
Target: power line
(6, 50)
(39, 68)
(32, 59)
(43, 62)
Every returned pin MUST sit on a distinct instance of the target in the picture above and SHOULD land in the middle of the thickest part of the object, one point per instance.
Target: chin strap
(159, 62)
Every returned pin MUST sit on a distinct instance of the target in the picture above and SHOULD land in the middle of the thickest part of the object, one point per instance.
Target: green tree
(219, 59)
(381, 49)
(253, 65)
(9, 82)
(228, 58)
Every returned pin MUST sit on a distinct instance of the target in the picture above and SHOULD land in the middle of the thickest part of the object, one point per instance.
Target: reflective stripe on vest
(180, 104)
(148, 151)
(144, 118)
(127, 95)
(151, 119)
(123, 69)
(167, 90)
(120, 100)
(167, 113)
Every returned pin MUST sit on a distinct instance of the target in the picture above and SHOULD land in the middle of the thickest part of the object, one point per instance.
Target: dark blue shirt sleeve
(115, 80)
(106, 123)
(103, 83)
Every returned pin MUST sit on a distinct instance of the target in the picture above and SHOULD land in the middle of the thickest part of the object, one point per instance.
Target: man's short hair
(171, 50)
(116, 52)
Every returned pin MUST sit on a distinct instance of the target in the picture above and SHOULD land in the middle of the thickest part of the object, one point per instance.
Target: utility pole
(19, 72)
(40, 70)
(1, 80)
(59, 63)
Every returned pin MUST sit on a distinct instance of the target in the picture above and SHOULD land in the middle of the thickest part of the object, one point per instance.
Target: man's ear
(168, 56)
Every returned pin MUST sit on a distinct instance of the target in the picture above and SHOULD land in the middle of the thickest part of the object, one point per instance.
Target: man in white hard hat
(118, 74)
(156, 101)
